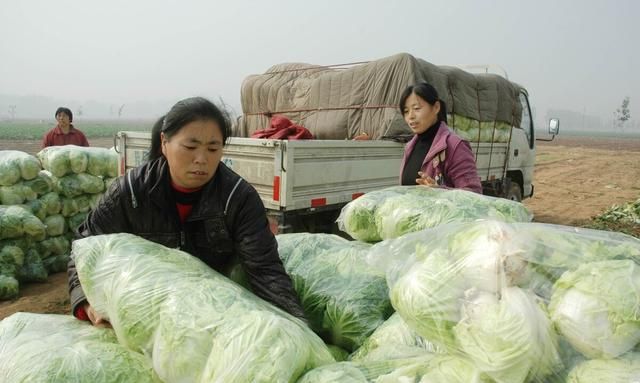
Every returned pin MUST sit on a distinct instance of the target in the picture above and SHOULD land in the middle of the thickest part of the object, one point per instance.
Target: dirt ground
(575, 179)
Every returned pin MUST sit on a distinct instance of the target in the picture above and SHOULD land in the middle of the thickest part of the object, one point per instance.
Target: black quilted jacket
(226, 227)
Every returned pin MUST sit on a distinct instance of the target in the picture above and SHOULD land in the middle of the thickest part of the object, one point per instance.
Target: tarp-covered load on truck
(342, 102)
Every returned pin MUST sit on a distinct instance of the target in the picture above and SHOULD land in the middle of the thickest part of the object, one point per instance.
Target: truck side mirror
(554, 126)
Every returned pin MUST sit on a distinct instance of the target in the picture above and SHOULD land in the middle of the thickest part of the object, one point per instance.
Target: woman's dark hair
(426, 92)
(66, 111)
(182, 113)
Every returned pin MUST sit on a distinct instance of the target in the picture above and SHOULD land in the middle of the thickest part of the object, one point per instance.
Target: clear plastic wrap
(427, 368)
(60, 348)
(16, 165)
(18, 221)
(195, 324)
(624, 369)
(522, 301)
(68, 159)
(394, 339)
(344, 299)
(395, 211)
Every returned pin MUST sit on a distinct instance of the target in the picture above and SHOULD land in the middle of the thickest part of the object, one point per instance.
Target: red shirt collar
(184, 190)
(58, 129)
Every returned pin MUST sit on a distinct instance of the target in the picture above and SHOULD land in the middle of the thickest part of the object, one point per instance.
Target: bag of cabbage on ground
(392, 212)
(344, 299)
(424, 369)
(16, 165)
(561, 248)
(198, 326)
(60, 348)
(487, 289)
(67, 159)
(623, 369)
(74, 185)
(394, 339)
(464, 287)
(18, 221)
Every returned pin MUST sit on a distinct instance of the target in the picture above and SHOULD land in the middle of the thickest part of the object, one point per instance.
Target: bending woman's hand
(95, 318)
(425, 180)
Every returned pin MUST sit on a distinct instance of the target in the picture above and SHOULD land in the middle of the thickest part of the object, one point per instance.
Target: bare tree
(120, 110)
(622, 114)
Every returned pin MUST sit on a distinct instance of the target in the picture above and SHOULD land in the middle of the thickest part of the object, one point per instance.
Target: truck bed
(297, 174)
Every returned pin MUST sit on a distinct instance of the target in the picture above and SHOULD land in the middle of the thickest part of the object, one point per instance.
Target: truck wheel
(514, 193)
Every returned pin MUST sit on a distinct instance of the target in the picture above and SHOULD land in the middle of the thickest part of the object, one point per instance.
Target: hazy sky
(577, 55)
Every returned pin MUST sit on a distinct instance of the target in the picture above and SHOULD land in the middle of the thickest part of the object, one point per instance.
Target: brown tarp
(340, 103)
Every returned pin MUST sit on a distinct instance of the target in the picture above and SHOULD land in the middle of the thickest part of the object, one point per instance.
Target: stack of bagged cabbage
(394, 211)
(80, 177)
(41, 200)
(489, 300)
(463, 300)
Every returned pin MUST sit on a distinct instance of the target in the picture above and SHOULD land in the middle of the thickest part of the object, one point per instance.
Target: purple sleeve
(461, 168)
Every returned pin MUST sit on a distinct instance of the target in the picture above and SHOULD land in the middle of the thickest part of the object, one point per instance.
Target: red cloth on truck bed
(281, 128)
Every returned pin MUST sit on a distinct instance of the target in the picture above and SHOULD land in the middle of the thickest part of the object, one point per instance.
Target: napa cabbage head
(392, 340)
(623, 369)
(595, 307)
(508, 336)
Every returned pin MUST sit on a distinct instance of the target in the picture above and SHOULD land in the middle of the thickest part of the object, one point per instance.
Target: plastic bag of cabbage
(18, 221)
(426, 368)
(344, 299)
(19, 230)
(195, 324)
(28, 191)
(60, 348)
(16, 165)
(393, 339)
(21, 178)
(392, 212)
(68, 159)
(487, 290)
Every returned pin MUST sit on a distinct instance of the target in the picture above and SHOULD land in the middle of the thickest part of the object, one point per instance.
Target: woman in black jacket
(185, 197)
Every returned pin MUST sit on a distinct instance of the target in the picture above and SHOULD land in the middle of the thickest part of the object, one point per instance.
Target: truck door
(522, 153)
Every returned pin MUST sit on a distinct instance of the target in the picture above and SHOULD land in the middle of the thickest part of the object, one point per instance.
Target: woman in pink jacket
(435, 156)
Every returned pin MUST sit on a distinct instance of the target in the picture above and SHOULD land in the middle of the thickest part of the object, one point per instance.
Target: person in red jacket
(436, 156)
(64, 133)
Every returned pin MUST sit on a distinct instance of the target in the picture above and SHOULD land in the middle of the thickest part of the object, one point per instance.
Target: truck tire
(514, 193)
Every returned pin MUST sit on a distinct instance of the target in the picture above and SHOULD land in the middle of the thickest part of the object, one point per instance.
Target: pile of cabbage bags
(38, 242)
(80, 177)
(344, 299)
(19, 260)
(480, 131)
(489, 301)
(395, 211)
(193, 323)
(17, 172)
(60, 348)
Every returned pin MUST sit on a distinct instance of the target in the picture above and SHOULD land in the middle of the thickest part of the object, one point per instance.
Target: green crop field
(34, 129)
